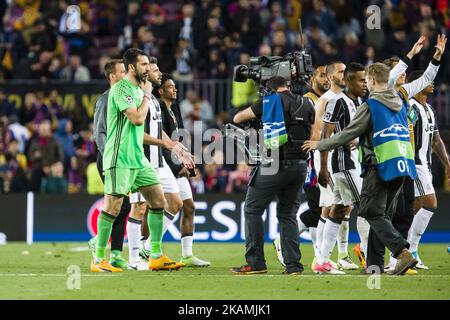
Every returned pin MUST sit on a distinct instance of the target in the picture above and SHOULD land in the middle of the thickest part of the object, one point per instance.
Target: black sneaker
(292, 273)
(248, 270)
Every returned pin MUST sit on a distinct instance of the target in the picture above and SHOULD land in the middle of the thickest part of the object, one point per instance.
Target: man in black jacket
(172, 124)
(290, 165)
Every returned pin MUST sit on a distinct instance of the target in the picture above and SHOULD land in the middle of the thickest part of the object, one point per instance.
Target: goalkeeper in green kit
(126, 168)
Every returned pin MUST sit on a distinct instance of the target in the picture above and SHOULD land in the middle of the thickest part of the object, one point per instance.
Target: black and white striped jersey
(340, 111)
(423, 118)
(153, 126)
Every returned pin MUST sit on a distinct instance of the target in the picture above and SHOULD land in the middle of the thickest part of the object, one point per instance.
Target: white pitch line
(51, 275)
(218, 276)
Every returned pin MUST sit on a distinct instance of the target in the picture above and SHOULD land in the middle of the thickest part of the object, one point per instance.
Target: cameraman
(285, 183)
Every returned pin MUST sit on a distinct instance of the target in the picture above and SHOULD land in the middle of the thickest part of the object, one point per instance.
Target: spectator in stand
(197, 183)
(184, 60)
(212, 37)
(43, 152)
(42, 110)
(20, 132)
(216, 176)
(85, 149)
(347, 23)
(64, 136)
(279, 43)
(55, 68)
(54, 105)
(35, 67)
(43, 37)
(217, 65)
(325, 17)
(398, 43)
(79, 117)
(55, 181)
(13, 165)
(238, 179)
(7, 109)
(232, 52)
(146, 42)
(18, 169)
(5, 135)
(215, 179)
(187, 25)
(28, 111)
(247, 22)
(352, 49)
(276, 16)
(76, 176)
(194, 109)
(75, 71)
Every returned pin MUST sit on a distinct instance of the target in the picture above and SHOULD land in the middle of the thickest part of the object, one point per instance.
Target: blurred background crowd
(46, 147)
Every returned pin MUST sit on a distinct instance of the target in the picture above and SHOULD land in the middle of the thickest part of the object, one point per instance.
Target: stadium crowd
(46, 148)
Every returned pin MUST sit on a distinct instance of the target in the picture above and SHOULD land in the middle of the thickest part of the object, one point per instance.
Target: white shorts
(423, 185)
(185, 188)
(166, 178)
(326, 194)
(347, 187)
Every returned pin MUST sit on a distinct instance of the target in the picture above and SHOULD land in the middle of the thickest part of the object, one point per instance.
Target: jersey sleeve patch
(129, 99)
(412, 115)
(332, 111)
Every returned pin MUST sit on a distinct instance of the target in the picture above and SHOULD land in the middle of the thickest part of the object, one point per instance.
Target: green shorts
(120, 181)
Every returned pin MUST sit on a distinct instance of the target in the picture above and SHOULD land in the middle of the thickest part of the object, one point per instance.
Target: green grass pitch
(39, 271)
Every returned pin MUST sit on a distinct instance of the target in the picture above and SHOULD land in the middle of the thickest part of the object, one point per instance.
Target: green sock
(104, 227)
(115, 254)
(155, 225)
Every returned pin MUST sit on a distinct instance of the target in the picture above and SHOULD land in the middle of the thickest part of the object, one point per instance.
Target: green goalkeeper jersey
(124, 140)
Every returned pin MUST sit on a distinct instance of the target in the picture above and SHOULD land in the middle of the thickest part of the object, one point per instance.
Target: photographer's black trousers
(377, 206)
(311, 216)
(285, 184)
(404, 215)
(118, 228)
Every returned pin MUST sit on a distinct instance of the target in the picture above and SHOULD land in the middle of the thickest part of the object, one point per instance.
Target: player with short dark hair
(172, 123)
(345, 167)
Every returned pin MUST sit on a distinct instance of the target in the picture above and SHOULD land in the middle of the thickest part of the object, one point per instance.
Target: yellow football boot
(103, 266)
(164, 263)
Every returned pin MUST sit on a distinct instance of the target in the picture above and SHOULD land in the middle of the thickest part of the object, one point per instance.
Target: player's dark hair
(352, 69)
(392, 61)
(131, 57)
(110, 67)
(153, 60)
(331, 65)
(164, 78)
(276, 82)
(414, 75)
(319, 65)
